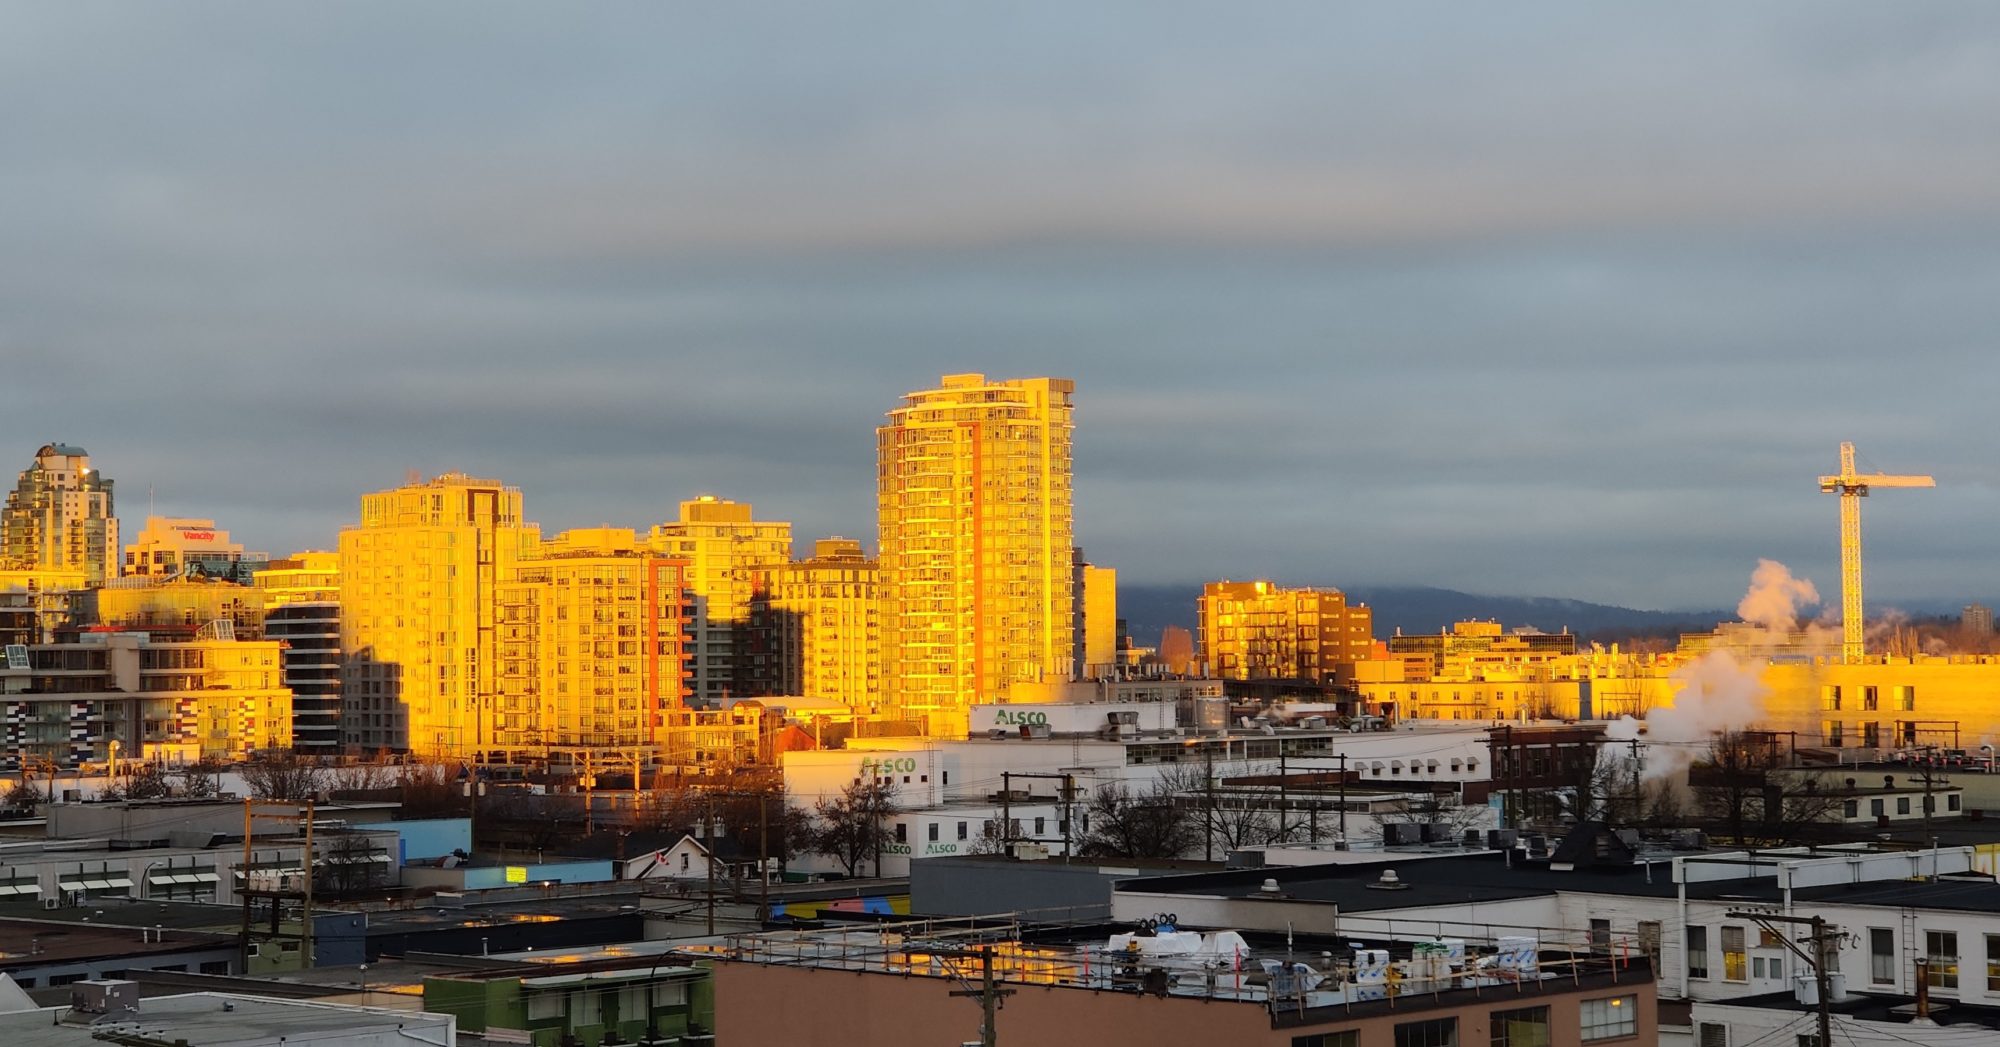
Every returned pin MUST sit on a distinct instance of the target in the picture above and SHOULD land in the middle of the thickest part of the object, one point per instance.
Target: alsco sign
(894, 765)
(1010, 718)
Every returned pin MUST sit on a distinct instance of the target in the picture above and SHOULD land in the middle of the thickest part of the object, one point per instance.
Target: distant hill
(1148, 609)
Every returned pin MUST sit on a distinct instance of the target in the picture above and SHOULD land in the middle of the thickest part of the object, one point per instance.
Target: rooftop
(1877, 1007)
(212, 1018)
(39, 943)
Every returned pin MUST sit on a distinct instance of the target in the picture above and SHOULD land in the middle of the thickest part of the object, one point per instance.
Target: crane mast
(1852, 487)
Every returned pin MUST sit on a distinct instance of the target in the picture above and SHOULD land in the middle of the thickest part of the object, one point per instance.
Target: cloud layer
(1567, 299)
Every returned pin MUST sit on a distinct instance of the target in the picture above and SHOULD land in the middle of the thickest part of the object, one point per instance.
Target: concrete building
(975, 503)
(60, 517)
(594, 638)
(420, 578)
(826, 613)
(1976, 618)
(727, 552)
(1262, 631)
(899, 984)
(616, 997)
(171, 605)
(301, 599)
(169, 547)
(1096, 617)
(175, 700)
(1473, 646)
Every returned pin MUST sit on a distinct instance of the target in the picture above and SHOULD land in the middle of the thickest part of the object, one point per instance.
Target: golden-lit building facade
(310, 576)
(301, 598)
(1263, 631)
(975, 502)
(826, 615)
(1096, 621)
(1471, 647)
(1886, 703)
(727, 551)
(174, 700)
(60, 517)
(168, 546)
(177, 604)
(594, 635)
(1593, 685)
(420, 577)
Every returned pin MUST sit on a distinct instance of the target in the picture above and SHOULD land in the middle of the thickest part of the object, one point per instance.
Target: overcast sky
(1554, 299)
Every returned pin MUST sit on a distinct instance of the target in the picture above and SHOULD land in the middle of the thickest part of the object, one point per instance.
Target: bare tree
(364, 777)
(283, 775)
(197, 780)
(1148, 823)
(349, 865)
(23, 797)
(147, 781)
(431, 790)
(854, 826)
(1737, 792)
(1437, 807)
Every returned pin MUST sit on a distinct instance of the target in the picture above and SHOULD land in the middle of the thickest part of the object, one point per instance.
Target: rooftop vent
(1269, 887)
(1388, 882)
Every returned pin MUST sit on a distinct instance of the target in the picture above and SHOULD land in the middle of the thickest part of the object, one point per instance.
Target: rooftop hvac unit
(1400, 834)
(1313, 723)
(1029, 852)
(104, 997)
(1034, 730)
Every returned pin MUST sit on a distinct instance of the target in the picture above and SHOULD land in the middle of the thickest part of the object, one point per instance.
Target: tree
(1148, 823)
(349, 865)
(148, 781)
(23, 797)
(1437, 807)
(197, 780)
(431, 790)
(367, 776)
(283, 775)
(1738, 791)
(853, 827)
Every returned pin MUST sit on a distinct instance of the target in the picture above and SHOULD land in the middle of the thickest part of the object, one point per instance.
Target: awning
(19, 890)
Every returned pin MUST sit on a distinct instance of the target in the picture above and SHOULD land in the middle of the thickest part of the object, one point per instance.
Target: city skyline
(1445, 298)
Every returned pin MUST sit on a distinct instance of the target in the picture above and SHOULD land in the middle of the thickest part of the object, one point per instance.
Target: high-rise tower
(973, 489)
(726, 552)
(59, 517)
(419, 589)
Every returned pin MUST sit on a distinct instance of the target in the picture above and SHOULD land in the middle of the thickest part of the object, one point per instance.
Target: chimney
(1923, 989)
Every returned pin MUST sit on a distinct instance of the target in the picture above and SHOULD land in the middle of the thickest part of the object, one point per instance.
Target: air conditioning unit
(52, 903)
(104, 997)
(1029, 852)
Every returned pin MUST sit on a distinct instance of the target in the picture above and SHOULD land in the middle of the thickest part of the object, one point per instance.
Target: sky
(1542, 299)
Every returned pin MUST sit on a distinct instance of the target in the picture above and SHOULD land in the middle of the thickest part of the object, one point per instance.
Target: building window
(1875, 807)
(902, 833)
(1851, 809)
(1881, 956)
(1733, 967)
(1438, 1032)
(1943, 949)
(1600, 936)
(1993, 963)
(1649, 942)
(1902, 805)
(1953, 801)
(1612, 1018)
(961, 830)
(1711, 1034)
(934, 832)
(1527, 1027)
(1345, 1038)
(1697, 951)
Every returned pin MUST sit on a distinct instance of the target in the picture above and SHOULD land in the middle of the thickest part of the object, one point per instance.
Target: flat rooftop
(35, 943)
(212, 1018)
(1443, 880)
(1878, 1007)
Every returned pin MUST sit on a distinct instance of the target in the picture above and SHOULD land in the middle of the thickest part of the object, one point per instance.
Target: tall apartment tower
(59, 517)
(301, 598)
(593, 645)
(727, 552)
(419, 588)
(170, 546)
(973, 487)
(826, 614)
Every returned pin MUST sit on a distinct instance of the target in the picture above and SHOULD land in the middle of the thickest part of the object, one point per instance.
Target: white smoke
(1774, 598)
(1717, 692)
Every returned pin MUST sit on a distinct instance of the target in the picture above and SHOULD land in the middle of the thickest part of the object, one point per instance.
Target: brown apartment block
(911, 1001)
(1262, 631)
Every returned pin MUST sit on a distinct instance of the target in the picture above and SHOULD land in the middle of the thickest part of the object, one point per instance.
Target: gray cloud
(1565, 299)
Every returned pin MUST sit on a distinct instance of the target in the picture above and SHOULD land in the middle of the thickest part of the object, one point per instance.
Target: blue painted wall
(428, 838)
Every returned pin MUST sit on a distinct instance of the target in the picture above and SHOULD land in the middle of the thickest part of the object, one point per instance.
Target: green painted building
(657, 1006)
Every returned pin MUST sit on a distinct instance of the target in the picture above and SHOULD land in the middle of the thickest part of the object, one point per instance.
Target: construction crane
(1852, 488)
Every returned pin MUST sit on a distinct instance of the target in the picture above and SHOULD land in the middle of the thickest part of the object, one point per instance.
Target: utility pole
(1006, 816)
(708, 859)
(763, 857)
(1638, 769)
(990, 995)
(1208, 816)
(1343, 799)
(1817, 958)
(1284, 783)
(1507, 776)
(1929, 751)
